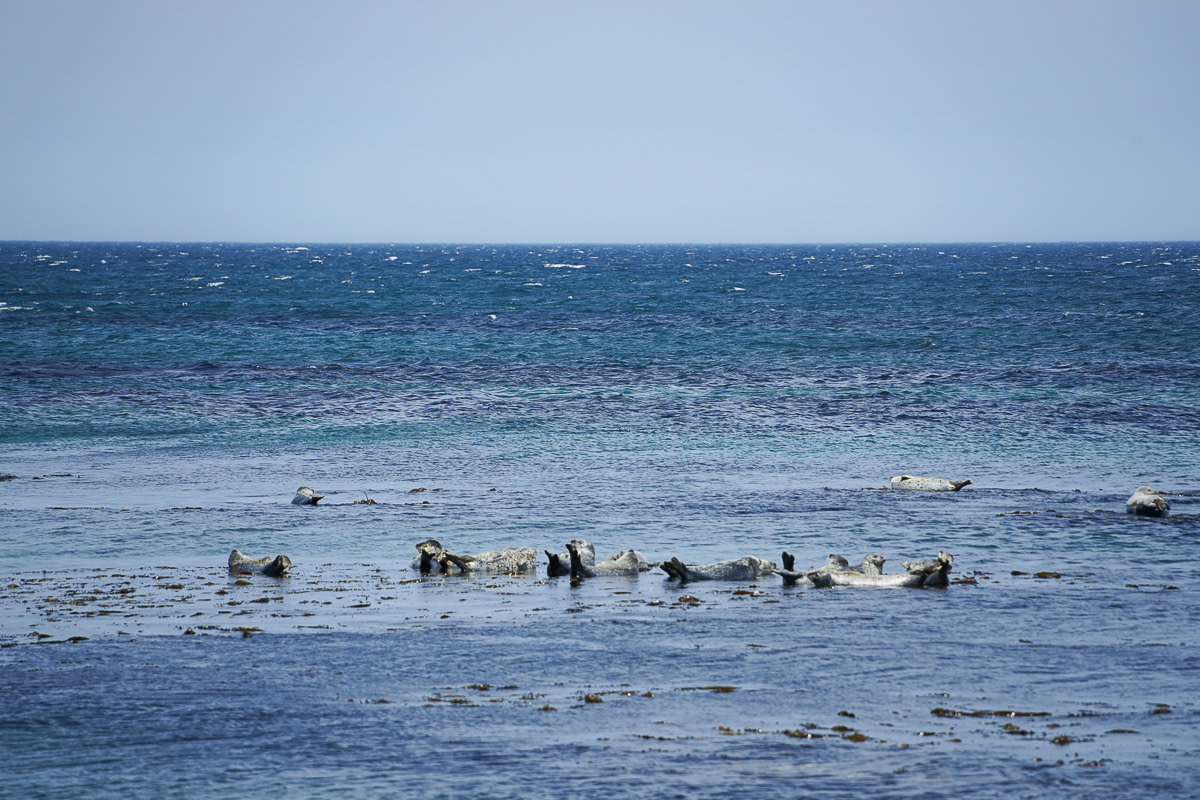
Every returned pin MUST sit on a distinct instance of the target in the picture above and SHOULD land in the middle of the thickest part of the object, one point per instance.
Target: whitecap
(532, 284)
(738, 289)
(566, 266)
(214, 284)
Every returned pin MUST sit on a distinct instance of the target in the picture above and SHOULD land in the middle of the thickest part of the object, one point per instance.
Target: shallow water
(161, 404)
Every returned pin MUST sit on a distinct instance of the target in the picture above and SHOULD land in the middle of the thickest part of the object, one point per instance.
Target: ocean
(161, 403)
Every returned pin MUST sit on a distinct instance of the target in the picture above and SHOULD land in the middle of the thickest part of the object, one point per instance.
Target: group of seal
(579, 561)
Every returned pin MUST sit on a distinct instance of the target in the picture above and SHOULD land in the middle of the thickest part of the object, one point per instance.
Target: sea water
(160, 404)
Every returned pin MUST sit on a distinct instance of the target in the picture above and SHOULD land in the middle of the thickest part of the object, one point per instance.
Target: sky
(565, 121)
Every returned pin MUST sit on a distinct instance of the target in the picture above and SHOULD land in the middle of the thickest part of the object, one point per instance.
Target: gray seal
(560, 563)
(432, 557)
(930, 573)
(275, 567)
(917, 483)
(1146, 502)
(746, 568)
(306, 497)
(627, 562)
(871, 564)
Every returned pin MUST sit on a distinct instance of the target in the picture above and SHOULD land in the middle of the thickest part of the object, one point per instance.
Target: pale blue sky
(613, 121)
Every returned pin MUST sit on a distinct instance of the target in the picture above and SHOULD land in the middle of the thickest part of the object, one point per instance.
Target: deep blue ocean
(161, 403)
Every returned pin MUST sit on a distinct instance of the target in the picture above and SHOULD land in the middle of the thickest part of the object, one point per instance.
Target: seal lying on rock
(1146, 502)
(930, 573)
(432, 557)
(915, 483)
(275, 567)
(627, 562)
(746, 568)
(306, 497)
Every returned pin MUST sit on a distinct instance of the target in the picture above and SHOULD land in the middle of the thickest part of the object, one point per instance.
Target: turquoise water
(161, 403)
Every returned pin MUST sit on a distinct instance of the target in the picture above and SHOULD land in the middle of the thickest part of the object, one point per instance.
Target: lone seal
(916, 483)
(275, 567)
(746, 568)
(306, 497)
(1146, 502)
(432, 557)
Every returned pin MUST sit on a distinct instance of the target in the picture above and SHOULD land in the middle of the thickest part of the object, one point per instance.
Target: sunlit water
(160, 404)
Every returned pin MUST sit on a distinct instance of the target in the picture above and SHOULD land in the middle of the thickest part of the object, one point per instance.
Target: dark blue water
(159, 404)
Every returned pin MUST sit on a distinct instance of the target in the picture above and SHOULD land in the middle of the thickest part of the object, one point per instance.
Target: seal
(560, 563)
(930, 573)
(306, 497)
(872, 564)
(275, 567)
(1146, 502)
(432, 557)
(916, 483)
(746, 568)
(627, 562)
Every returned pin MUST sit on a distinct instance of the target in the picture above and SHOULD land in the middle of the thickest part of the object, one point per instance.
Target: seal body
(275, 567)
(306, 497)
(916, 483)
(1146, 502)
(560, 563)
(930, 573)
(627, 562)
(432, 557)
(746, 568)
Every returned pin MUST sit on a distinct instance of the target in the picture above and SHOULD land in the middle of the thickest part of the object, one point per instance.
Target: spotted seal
(916, 483)
(306, 497)
(1146, 502)
(930, 573)
(275, 567)
(627, 562)
(560, 563)
(432, 557)
(871, 564)
(746, 568)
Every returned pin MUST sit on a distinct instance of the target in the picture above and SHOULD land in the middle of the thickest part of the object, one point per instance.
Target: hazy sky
(604, 121)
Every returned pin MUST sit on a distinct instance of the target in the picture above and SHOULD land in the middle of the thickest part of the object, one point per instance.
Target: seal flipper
(959, 484)
(789, 561)
(556, 567)
(278, 567)
(669, 568)
(576, 563)
(681, 570)
(790, 576)
(458, 561)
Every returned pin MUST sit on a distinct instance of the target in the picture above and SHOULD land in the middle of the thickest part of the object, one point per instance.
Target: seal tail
(681, 570)
(789, 561)
(458, 561)
(577, 572)
(556, 567)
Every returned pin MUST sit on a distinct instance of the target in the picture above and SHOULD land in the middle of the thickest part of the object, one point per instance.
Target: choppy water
(159, 404)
